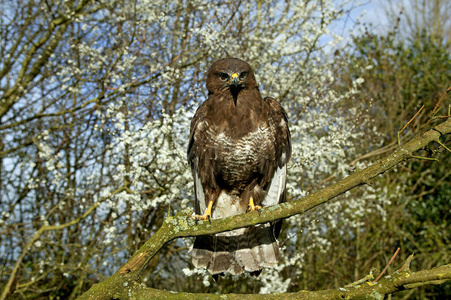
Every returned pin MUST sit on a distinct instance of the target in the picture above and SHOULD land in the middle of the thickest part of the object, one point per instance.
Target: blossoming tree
(95, 103)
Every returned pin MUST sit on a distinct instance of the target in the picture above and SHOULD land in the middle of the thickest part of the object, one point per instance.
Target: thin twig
(399, 132)
(386, 267)
(425, 158)
(406, 264)
(412, 118)
(443, 145)
(436, 107)
(438, 103)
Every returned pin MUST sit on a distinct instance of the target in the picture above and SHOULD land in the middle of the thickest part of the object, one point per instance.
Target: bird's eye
(223, 76)
(243, 75)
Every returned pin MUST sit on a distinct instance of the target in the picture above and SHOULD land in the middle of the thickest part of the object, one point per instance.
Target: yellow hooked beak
(235, 80)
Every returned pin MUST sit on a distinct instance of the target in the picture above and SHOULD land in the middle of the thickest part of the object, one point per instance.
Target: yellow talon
(206, 215)
(252, 206)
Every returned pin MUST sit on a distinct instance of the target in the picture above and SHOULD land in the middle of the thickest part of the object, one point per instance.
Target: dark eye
(223, 76)
(243, 75)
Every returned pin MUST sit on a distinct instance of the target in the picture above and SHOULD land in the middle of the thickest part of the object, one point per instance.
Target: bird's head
(230, 75)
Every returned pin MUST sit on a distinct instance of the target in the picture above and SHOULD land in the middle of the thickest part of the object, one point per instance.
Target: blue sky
(367, 12)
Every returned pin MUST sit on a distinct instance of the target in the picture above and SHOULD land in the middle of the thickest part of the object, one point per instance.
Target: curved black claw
(197, 218)
(257, 208)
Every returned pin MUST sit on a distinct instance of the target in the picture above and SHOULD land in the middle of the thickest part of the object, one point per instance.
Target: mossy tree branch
(124, 283)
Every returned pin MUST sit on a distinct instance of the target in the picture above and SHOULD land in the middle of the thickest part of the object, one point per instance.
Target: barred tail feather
(246, 249)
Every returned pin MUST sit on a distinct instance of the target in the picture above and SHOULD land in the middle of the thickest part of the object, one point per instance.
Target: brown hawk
(238, 150)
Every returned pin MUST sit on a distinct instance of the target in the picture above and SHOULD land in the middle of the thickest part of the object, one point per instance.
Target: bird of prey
(238, 150)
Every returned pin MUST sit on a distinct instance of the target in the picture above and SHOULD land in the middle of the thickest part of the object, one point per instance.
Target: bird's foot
(206, 215)
(202, 217)
(252, 207)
